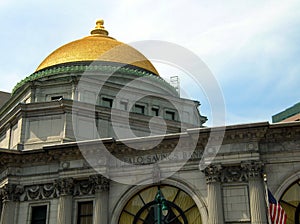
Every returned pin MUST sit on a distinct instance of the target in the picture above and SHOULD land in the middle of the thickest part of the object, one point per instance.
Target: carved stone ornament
(213, 173)
(83, 187)
(253, 169)
(65, 186)
(236, 173)
(233, 174)
(100, 183)
(39, 192)
(11, 192)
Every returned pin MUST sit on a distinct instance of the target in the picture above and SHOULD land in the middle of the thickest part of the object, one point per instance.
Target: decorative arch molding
(132, 190)
(286, 184)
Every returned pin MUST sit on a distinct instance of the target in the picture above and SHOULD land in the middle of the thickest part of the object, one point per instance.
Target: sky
(251, 47)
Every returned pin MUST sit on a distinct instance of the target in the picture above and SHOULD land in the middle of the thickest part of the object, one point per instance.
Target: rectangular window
(107, 102)
(39, 214)
(170, 115)
(155, 111)
(85, 212)
(53, 98)
(140, 109)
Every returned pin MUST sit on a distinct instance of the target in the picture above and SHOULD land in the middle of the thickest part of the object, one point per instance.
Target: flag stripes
(276, 212)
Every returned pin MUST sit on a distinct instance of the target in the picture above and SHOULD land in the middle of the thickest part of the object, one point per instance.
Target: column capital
(213, 173)
(65, 186)
(233, 173)
(99, 182)
(253, 168)
(11, 192)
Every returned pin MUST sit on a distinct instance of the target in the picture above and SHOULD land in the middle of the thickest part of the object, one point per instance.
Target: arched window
(290, 201)
(142, 208)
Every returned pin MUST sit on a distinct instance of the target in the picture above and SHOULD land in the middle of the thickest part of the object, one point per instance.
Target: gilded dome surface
(97, 47)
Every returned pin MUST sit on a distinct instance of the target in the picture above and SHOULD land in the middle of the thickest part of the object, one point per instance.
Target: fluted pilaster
(256, 193)
(65, 188)
(11, 196)
(215, 206)
(101, 186)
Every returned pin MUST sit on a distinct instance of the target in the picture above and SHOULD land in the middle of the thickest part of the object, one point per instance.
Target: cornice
(283, 132)
(68, 151)
(76, 68)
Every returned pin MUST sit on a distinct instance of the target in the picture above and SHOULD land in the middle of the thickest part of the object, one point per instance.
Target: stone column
(101, 187)
(215, 206)
(65, 188)
(11, 196)
(257, 195)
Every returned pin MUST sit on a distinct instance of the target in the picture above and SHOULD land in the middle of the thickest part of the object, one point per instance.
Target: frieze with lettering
(153, 158)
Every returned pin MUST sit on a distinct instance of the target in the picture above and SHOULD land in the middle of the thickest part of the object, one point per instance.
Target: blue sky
(251, 47)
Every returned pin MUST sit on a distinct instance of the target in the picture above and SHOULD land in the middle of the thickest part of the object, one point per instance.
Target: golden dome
(97, 47)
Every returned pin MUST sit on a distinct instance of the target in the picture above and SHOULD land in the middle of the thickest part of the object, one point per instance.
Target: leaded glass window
(290, 202)
(142, 208)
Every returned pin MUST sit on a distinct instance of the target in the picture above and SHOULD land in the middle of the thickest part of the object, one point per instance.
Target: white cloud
(231, 38)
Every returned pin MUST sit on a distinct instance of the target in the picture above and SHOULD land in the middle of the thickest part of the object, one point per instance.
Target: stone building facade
(62, 159)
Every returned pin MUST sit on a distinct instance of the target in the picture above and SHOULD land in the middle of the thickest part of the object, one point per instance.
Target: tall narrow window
(39, 214)
(85, 212)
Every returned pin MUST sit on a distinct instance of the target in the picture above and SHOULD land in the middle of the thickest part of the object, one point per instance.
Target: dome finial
(99, 28)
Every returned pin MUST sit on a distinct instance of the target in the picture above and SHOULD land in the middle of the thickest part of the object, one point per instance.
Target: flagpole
(267, 197)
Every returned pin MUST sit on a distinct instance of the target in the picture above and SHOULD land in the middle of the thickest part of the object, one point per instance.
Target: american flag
(276, 212)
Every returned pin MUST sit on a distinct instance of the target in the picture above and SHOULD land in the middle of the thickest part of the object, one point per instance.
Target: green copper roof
(291, 111)
(66, 69)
